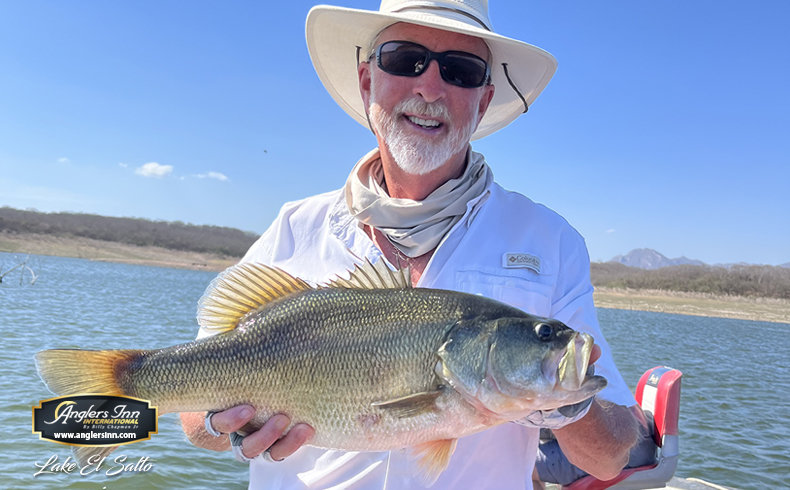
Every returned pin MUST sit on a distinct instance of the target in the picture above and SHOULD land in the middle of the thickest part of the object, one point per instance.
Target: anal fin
(433, 457)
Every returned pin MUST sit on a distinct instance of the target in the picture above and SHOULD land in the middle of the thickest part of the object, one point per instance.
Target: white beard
(413, 154)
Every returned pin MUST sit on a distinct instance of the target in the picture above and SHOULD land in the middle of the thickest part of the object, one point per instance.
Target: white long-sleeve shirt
(506, 247)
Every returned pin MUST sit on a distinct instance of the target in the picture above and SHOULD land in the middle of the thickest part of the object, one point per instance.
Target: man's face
(424, 121)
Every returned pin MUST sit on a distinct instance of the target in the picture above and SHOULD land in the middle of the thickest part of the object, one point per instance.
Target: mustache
(420, 107)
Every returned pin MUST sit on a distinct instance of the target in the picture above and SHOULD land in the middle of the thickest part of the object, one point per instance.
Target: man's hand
(600, 442)
(271, 435)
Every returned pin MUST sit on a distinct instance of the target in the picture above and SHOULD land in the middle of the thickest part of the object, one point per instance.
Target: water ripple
(734, 419)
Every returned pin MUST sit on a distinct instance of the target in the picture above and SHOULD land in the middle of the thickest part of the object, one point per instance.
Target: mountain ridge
(647, 258)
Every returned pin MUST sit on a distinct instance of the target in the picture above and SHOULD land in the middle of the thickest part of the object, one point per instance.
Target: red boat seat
(658, 393)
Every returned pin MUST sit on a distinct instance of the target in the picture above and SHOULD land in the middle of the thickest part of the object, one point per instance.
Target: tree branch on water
(22, 266)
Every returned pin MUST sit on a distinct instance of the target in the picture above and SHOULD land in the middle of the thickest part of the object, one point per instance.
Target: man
(430, 77)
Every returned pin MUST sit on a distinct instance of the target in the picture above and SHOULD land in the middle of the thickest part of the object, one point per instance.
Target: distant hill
(646, 258)
(134, 231)
(739, 280)
(644, 268)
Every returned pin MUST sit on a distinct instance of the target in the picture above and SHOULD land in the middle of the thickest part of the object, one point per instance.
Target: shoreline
(103, 251)
(695, 304)
(773, 310)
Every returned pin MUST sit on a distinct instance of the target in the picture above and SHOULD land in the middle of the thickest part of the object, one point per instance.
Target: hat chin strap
(367, 113)
(515, 89)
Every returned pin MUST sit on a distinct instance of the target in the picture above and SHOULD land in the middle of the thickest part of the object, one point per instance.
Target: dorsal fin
(241, 289)
(374, 276)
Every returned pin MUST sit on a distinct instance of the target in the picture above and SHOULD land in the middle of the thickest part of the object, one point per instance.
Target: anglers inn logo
(521, 261)
(94, 420)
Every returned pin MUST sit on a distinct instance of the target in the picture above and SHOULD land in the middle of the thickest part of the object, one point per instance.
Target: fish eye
(544, 331)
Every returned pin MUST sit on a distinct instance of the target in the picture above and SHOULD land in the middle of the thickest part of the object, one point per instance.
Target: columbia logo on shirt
(521, 261)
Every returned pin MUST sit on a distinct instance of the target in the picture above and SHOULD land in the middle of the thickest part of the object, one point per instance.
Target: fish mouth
(572, 368)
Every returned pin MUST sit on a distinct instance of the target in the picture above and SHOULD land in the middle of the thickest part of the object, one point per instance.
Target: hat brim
(333, 34)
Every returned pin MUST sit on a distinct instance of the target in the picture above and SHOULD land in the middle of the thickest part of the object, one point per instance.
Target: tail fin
(73, 371)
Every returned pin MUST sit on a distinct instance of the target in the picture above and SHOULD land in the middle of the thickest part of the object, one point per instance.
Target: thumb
(595, 354)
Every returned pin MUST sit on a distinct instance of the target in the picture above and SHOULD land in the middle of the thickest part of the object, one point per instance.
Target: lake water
(734, 424)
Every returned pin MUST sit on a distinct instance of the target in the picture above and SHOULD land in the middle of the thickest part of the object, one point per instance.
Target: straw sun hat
(519, 70)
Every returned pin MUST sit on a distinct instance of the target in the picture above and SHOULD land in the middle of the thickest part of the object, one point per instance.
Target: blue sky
(666, 126)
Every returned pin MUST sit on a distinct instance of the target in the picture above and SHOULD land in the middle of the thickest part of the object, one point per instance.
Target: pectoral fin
(433, 458)
(411, 405)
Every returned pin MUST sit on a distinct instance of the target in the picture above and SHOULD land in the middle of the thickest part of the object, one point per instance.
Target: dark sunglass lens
(408, 59)
(402, 58)
(463, 70)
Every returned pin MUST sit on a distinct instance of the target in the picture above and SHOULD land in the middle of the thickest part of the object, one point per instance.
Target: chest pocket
(533, 297)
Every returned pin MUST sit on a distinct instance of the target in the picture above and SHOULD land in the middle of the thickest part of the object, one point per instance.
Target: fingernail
(246, 412)
(282, 422)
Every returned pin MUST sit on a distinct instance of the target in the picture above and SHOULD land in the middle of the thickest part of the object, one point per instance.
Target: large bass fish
(369, 362)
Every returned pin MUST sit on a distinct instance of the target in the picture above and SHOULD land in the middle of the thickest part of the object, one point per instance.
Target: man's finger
(595, 354)
(293, 440)
(232, 419)
(260, 440)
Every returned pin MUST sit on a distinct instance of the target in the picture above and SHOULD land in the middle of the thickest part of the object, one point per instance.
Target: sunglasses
(407, 59)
